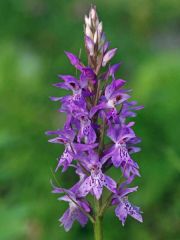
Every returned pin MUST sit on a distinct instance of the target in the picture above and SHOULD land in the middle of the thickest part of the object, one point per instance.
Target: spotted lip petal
(96, 180)
(124, 207)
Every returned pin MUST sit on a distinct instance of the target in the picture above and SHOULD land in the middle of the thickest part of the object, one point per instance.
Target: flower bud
(88, 32)
(100, 28)
(87, 21)
(89, 45)
(93, 14)
(95, 37)
(110, 54)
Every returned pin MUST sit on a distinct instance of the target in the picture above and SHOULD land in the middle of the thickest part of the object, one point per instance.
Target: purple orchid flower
(113, 96)
(120, 157)
(77, 207)
(86, 130)
(66, 137)
(124, 207)
(95, 182)
(79, 89)
(118, 152)
(78, 96)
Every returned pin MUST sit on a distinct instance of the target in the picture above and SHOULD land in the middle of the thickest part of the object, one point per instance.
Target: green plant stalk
(98, 233)
(98, 230)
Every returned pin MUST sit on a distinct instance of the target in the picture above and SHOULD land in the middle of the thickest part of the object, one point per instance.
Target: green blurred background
(33, 37)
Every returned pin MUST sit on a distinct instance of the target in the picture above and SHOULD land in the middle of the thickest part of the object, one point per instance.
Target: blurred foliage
(34, 34)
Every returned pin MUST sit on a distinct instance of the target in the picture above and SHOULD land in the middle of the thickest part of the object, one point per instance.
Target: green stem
(98, 232)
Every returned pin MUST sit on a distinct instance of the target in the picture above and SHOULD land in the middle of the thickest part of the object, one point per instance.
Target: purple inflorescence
(97, 135)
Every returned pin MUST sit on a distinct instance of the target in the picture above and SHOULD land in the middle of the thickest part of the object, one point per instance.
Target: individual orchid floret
(66, 137)
(78, 92)
(71, 214)
(77, 208)
(95, 182)
(86, 130)
(113, 96)
(122, 136)
(124, 207)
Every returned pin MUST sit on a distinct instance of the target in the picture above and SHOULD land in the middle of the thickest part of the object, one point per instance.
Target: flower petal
(113, 69)
(107, 57)
(108, 154)
(116, 158)
(110, 183)
(81, 217)
(93, 110)
(84, 147)
(85, 187)
(89, 74)
(114, 132)
(89, 45)
(97, 191)
(135, 213)
(74, 60)
(66, 220)
(126, 191)
(121, 213)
